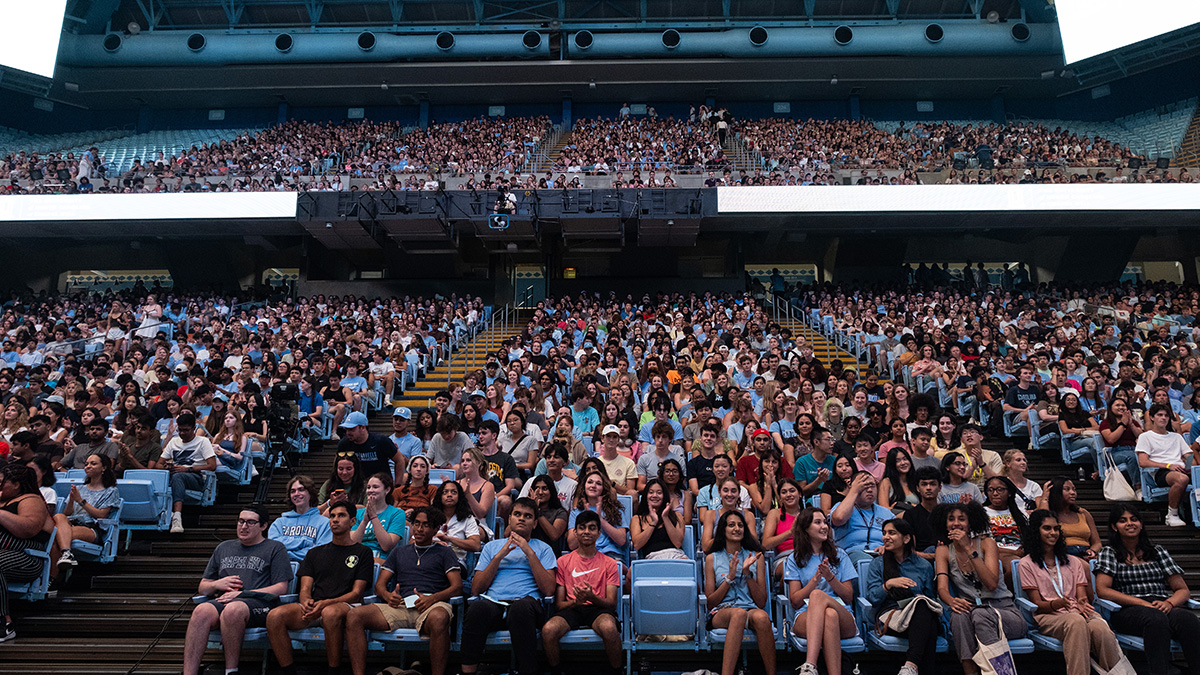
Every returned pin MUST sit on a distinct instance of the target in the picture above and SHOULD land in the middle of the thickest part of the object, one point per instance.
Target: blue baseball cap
(354, 419)
(402, 412)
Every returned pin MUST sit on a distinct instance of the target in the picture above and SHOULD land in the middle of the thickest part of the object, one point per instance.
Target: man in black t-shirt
(333, 577)
(427, 575)
(1022, 398)
(373, 450)
(929, 485)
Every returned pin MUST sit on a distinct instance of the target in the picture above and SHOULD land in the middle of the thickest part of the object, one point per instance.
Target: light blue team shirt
(844, 571)
(864, 529)
(514, 579)
(408, 444)
(603, 543)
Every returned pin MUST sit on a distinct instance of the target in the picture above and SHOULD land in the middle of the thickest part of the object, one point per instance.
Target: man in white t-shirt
(1163, 451)
(381, 374)
(187, 456)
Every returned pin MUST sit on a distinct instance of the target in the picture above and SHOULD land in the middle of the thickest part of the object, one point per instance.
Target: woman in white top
(1015, 464)
(461, 530)
(1163, 451)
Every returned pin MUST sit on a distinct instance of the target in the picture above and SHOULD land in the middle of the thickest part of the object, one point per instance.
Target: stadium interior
(280, 227)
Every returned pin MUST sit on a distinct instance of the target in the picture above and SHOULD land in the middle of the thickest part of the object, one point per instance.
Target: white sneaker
(907, 670)
(1174, 520)
(807, 668)
(176, 523)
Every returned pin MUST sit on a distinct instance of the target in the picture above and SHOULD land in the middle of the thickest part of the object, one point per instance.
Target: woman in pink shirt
(1059, 585)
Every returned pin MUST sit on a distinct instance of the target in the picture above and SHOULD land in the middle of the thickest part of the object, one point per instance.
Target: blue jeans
(181, 482)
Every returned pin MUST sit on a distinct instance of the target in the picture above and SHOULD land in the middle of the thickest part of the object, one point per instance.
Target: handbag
(996, 658)
(1116, 488)
(1123, 667)
(897, 620)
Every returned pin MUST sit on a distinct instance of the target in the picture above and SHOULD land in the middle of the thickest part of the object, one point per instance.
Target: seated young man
(588, 587)
(511, 577)
(333, 577)
(187, 456)
(426, 576)
(244, 579)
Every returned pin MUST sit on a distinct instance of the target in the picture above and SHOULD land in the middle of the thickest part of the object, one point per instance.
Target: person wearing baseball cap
(408, 444)
(762, 445)
(621, 470)
(373, 450)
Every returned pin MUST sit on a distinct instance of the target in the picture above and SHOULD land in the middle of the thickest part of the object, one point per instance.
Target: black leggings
(16, 567)
(522, 620)
(922, 638)
(1157, 630)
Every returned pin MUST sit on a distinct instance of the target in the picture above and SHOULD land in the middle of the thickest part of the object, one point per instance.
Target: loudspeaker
(960, 164)
(1135, 163)
(987, 163)
(1163, 163)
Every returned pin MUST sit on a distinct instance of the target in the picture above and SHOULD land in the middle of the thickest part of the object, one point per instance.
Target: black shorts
(258, 607)
(1160, 477)
(582, 617)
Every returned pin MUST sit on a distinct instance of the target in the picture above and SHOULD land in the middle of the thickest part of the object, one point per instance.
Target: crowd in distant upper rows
(636, 150)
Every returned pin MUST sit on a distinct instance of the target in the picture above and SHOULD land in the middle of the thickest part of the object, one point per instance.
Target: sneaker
(807, 669)
(907, 670)
(67, 559)
(1174, 520)
(8, 632)
(176, 523)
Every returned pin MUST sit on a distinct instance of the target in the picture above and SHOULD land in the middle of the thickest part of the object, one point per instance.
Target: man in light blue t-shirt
(511, 577)
(858, 520)
(408, 444)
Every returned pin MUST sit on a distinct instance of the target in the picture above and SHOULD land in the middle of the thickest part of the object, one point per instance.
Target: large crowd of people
(796, 475)
(635, 150)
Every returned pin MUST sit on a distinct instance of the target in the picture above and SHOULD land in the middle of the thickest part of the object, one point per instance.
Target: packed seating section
(634, 387)
(633, 150)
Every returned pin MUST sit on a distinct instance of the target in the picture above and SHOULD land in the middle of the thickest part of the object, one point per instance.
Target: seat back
(141, 505)
(664, 597)
(36, 589)
(689, 541)
(77, 474)
(439, 476)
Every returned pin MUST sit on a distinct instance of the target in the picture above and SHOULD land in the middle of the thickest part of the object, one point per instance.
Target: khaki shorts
(403, 617)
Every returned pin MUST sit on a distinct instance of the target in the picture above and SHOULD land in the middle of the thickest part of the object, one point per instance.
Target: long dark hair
(408, 474)
(356, 483)
(1032, 541)
(835, 482)
(553, 502)
(891, 566)
(107, 477)
(1144, 546)
(802, 545)
(1054, 496)
(892, 474)
(462, 510)
(1014, 509)
(749, 541)
(680, 486)
(1074, 418)
(665, 511)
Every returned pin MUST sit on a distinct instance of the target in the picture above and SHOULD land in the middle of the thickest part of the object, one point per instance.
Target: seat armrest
(1026, 605)
(37, 553)
(288, 598)
(1106, 605)
(370, 600)
(197, 599)
(1192, 603)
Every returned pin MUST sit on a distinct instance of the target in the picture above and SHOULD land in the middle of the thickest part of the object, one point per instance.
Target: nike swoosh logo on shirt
(577, 573)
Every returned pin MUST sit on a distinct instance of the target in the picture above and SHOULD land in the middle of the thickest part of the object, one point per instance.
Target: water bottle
(1082, 474)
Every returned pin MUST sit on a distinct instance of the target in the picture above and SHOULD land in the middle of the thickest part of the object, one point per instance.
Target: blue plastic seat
(663, 600)
(146, 499)
(105, 550)
(865, 613)
(439, 476)
(35, 589)
(1044, 642)
(787, 615)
